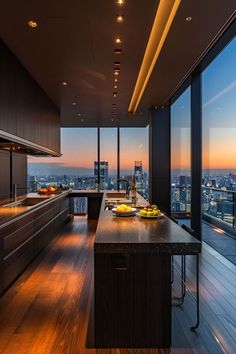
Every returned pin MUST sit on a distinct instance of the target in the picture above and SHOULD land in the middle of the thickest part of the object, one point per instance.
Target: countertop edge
(32, 208)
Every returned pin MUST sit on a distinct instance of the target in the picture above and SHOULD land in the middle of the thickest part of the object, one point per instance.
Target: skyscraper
(103, 172)
(138, 172)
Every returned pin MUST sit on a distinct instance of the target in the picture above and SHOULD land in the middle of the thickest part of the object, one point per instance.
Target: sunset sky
(218, 117)
(79, 148)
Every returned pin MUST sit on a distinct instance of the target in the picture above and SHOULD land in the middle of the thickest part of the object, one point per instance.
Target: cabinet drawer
(44, 237)
(15, 239)
(16, 262)
(16, 225)
(42, 220)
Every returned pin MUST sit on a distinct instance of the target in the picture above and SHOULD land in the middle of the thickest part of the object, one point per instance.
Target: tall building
(138, 172)
(138, 168)
(103, 172)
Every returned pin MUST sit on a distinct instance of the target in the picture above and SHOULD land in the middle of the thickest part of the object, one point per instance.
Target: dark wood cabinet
(5, 178)
(132, 300)
(7, 91)
(24, 238)
(25, 109)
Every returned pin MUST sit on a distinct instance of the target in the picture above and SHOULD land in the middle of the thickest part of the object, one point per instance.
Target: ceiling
(74, 42)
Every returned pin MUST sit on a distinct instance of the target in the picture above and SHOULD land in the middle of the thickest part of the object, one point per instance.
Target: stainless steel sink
(26, 202)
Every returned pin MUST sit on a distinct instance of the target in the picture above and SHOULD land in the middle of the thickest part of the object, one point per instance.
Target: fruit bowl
(124, 210)
(150, 216)
(49, 190)
(150, 212)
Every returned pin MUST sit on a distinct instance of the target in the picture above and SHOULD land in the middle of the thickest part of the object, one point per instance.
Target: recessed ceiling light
(120, 2)
(119, 18)
(79, 114)
(115, 87)
(118, 40)
(82, 120)
(116, 80)
(188, 18)
(114, 94)
(116, 73)
(64, 83)
(118, 51)
(73, 103)
(32, 24)
(112, 120)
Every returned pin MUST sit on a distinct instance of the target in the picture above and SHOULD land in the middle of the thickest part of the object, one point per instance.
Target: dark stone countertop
(132, 234)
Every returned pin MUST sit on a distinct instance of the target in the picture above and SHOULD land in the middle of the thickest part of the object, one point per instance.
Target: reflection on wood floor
(47, 309)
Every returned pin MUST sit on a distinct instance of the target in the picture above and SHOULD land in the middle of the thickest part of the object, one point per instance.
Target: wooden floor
(222, 242)
(47, 309)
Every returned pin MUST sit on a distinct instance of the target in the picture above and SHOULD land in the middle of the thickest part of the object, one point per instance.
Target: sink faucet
(127, 186)
(15, 189)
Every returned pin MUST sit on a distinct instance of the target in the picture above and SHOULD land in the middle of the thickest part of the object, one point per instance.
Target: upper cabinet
(25, 110)
(7, 91)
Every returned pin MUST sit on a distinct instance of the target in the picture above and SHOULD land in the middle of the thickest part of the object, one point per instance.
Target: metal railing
(217, 204)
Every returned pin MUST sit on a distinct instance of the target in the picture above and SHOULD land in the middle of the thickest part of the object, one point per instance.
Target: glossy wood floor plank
(47, 310)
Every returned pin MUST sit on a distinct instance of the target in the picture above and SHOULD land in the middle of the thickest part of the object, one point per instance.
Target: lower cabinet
(23, 239)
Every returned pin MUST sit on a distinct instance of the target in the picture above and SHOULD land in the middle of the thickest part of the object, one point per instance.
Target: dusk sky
(79, 149)
(218, 116)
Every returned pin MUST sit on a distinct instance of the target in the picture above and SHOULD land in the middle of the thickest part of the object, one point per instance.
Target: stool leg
(183, 281)
(193, 328)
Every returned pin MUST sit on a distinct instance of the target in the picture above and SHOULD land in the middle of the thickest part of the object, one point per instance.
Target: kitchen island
(132, 278)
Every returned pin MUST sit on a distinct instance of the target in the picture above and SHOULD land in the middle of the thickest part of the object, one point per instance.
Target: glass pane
(219, 146)
(75, 168)
(134, 157)
(108, 158)
(181, 157)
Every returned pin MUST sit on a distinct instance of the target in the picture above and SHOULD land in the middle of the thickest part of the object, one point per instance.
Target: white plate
(124, 213)
(150, 217)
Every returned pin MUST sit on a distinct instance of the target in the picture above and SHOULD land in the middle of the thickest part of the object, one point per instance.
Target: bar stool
(183, 278)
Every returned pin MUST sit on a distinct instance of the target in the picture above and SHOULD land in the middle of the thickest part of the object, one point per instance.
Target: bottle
(133, 188)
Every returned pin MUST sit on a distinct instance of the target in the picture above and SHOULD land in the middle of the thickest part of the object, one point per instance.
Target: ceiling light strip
(164, 17)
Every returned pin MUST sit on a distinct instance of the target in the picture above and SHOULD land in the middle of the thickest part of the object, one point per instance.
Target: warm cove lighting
(165, 15)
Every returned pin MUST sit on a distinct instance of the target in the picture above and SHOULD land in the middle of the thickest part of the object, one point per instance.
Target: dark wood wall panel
(4, 175)
(25, 110)
(159, 158)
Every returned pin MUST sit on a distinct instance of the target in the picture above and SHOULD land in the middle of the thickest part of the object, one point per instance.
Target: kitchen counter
(132, 234)
(10, 213)
(26, 230)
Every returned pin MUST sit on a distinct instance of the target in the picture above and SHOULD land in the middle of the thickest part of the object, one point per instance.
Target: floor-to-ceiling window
(75, 168)
(181, 156)
(219, 145)
(108, 158)
(134, 159)
(78, 167)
